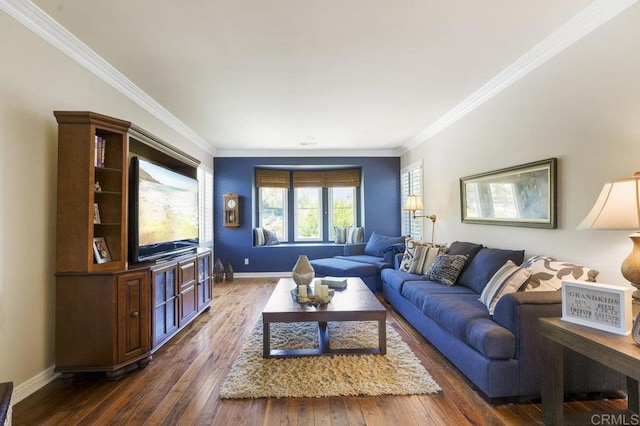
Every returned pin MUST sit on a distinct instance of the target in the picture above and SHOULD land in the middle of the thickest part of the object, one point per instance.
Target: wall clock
(231, 211)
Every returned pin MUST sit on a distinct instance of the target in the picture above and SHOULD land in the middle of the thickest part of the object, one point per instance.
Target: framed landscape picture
(523, 195)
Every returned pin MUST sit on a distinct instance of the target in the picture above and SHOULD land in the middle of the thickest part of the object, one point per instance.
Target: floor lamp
(414, 202)
(618, 208)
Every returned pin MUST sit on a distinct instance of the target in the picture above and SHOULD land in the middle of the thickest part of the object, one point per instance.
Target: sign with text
(603, 306)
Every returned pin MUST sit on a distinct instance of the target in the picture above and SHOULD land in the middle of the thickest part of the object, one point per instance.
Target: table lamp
(413, 203)
(618, 208)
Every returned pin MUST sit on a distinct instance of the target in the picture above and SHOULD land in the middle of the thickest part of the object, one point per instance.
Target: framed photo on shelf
(100, 250)
(606, 307)
(96, 214)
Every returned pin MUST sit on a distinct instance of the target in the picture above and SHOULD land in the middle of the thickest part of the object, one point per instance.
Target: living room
(580, 106)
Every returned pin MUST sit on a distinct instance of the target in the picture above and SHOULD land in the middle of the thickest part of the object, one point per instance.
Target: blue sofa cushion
(395, 278)
(457, 310)
(376, 261)
(460, 247)
(378, 242)
(486, 263)
(343, 268)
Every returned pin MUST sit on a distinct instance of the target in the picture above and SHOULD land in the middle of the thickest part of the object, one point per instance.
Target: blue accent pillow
(485, 264)
(378, 242)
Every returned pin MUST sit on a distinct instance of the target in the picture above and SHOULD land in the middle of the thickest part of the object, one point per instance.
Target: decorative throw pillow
(446, 268)
(378, 243)
(270, 238)
(547, 273)
(355, 235)
(508, 279)
(341, 235)
(419, 256)
(258, 237)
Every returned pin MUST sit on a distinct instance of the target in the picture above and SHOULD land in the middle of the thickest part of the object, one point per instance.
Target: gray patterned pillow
(547, 273)
(270, 238)
(419, 256)
(446, 268)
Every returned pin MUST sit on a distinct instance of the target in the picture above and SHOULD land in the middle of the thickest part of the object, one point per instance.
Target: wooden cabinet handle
(135, 314)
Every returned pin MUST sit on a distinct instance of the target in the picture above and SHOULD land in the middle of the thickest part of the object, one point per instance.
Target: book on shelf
(96, 213)
(100, 147)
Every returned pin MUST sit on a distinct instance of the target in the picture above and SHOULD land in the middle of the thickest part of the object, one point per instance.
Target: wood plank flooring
(182, 383)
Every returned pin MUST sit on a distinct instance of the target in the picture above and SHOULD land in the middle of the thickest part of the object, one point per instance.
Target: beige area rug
(399, 372)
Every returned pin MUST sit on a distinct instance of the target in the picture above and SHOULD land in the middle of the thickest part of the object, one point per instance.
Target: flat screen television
(163, 211)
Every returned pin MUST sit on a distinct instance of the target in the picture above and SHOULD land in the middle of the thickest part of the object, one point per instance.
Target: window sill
(315, 244)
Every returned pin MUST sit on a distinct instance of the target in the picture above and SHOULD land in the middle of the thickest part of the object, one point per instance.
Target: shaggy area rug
(398, 372)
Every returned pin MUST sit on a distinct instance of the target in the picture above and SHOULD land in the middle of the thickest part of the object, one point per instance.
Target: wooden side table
(617, 352)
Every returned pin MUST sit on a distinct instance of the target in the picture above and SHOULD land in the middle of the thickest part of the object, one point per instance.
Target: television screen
(165, 209)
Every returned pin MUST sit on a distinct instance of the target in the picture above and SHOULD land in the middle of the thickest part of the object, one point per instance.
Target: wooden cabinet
(110, 314)
(164, 322)
(188, 293)
(92, 171)
(102, 322)
(204, 281)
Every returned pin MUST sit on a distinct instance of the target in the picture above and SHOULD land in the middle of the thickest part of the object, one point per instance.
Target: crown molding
(35, 19)
(308, 153)
(592, 17)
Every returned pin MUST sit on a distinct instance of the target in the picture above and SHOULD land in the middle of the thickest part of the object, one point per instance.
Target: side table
(617, 352)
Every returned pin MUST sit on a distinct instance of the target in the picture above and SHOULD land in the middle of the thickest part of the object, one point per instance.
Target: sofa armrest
(354, 249)
(397, 261)
(512, 309)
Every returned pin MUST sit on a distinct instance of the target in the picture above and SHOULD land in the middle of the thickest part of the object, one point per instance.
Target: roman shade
(272, 178)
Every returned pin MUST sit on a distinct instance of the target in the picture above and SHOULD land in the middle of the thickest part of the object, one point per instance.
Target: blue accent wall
(380, 193)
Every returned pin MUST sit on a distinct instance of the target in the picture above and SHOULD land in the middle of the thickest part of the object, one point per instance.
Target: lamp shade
(413, 203)
(617, 207)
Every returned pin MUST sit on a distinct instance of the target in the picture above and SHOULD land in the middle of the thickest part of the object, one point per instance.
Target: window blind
(272, 178)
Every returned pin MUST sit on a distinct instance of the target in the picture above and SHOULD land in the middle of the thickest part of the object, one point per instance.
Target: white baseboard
(262, 274)
(34, 384)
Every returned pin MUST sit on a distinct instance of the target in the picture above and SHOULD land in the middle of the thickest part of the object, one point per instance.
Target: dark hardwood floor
(181, 384)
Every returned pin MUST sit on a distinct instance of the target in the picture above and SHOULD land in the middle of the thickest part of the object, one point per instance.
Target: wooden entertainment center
(109, 313)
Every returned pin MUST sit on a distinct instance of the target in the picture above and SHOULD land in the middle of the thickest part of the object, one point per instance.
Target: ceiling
(300, 74)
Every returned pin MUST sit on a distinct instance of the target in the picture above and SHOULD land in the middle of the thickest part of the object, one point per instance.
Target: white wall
(35, 80)
(582, 107)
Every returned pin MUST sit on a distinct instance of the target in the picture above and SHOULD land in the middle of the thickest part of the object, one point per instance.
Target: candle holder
(312, 299)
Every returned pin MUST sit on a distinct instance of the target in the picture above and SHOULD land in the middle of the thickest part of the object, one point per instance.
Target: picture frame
(523, 195)
(605, 307)
(100, 250)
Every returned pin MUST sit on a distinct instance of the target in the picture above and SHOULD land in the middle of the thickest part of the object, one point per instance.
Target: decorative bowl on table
(312, 299)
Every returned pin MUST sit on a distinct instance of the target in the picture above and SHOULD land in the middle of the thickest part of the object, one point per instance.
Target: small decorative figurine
(96, 187)
(218, 271)
(228, 273)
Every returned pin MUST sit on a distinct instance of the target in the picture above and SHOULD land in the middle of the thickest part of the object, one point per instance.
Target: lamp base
(631, 266)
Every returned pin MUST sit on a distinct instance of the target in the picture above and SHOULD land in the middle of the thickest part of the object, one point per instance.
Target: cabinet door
(164, 303)
(204, 281)
(133, 315)
(188, 293)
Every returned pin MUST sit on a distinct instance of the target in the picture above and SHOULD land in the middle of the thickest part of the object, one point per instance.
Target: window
(342, 208)
(320, 201)
(205, 202)
(308, 214)
(410, 184)
(273, 210)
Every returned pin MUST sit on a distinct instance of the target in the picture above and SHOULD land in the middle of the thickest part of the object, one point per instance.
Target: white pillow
(355, 235)
(258, 237)
(508, 279)
(418, 256)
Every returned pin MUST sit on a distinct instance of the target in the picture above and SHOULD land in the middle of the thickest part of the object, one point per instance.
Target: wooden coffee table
(355, 303)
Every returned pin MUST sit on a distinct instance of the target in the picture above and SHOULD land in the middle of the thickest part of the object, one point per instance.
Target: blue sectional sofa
(364, 260)
(498, 353)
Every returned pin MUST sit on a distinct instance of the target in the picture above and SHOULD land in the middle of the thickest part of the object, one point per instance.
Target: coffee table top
(349, 303)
